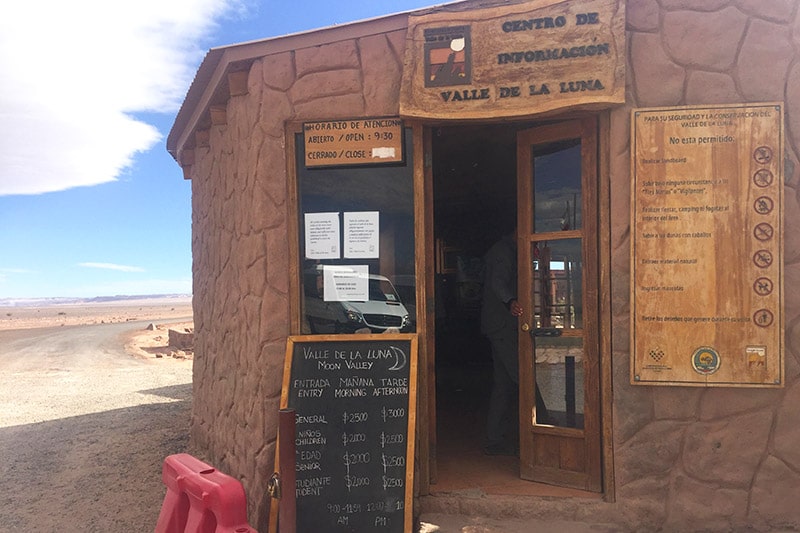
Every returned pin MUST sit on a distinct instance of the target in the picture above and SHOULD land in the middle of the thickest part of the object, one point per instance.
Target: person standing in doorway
(499, 312)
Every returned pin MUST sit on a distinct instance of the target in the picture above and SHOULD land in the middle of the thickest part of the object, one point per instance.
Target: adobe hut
(649, 152)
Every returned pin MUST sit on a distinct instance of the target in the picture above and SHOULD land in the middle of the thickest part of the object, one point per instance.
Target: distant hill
(98, 300)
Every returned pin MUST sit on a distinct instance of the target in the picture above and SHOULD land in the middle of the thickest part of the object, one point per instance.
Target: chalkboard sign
(354, 398)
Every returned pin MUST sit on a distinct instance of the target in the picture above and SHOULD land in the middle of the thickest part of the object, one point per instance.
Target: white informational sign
(361, 235)
(322, 236)
(346, 283)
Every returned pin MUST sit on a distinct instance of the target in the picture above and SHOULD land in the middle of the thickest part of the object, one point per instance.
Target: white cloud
(112, 266)
(72, 72)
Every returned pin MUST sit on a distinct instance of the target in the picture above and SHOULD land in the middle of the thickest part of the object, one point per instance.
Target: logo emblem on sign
(448, 56)
(705, 360)
(756, 357)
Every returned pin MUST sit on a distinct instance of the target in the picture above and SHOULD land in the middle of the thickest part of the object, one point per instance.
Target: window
(356, 246)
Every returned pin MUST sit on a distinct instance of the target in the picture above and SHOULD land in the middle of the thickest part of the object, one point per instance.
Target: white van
(382, 311)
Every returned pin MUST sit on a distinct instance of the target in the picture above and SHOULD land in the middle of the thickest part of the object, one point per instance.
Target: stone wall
(240, 242)
(685, 458)
(713, 459)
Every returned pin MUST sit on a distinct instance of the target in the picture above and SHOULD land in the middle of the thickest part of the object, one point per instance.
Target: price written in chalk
(354, 418)
(388, 439)
(392, 482)
(354, 482)
(392, 461)
(353, 438)
(392, 413)
(356, 458)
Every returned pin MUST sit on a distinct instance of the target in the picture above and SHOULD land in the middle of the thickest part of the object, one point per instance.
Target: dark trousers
(502, 425)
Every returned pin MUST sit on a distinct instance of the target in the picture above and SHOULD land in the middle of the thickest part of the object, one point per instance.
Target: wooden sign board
(514, 60)
(363, 141)
(707, 245)
(355, 406)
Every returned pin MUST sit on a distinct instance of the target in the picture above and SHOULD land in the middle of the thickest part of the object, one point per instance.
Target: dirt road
(84, 429)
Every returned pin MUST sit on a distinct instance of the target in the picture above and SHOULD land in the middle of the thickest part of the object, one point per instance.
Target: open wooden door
(560, 429)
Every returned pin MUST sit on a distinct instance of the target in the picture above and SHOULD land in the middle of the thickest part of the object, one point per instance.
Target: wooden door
(560, 430)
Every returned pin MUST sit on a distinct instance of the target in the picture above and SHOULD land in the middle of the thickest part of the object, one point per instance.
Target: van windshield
(380, 290)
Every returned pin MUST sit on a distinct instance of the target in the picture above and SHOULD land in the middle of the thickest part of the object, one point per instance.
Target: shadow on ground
(99, 472)
(174, 392)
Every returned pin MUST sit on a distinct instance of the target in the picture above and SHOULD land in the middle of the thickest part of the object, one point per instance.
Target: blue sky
(91, 203)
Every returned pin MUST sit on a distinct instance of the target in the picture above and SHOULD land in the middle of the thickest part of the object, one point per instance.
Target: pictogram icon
(763, 155)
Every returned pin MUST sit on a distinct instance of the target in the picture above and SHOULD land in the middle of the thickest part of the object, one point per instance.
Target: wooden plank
(562, 478)
(707, 253)
(592, 451)
(604, 251)
(423, 251)
(547, 451)
(293, 230)
(573, 455)
(515, 60)
(527, 376)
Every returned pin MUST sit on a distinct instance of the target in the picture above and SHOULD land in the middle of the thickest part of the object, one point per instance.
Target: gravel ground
(85, 427)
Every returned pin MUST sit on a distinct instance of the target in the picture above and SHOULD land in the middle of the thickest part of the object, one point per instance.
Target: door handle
(525, 327)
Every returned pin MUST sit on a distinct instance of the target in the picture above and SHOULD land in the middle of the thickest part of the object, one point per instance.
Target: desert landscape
(51, 312)
(94, 398)
(172, 312)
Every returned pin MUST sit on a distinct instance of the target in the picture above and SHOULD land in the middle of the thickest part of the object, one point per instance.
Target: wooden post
(569, 396)
(287, 510)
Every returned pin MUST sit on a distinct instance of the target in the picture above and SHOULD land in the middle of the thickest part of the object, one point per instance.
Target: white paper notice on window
(345, 283)
(322, 236)
(362, 235)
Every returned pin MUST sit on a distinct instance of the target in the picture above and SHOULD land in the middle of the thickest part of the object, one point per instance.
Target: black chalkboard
(354, 398)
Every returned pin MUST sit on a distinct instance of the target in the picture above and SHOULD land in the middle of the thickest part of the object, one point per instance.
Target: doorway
(479, 175)
(474, 183)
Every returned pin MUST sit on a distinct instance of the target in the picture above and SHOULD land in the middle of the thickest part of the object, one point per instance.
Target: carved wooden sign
(707, 246)
(515, 60)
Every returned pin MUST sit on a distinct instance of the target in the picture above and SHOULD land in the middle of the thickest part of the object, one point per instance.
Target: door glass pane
(559, 380)
(557, 291)
(557, 186)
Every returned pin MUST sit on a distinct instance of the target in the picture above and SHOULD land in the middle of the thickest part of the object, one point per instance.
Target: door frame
(426, 473)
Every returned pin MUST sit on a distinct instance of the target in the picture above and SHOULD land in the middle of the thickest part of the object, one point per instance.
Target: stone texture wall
(712, 459)
(685, 459)
(240, 242)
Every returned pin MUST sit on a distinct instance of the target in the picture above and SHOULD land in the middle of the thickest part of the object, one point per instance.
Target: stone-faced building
(649, 152)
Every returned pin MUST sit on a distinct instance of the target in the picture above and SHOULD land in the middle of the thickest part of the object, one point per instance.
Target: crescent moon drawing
(400, 358)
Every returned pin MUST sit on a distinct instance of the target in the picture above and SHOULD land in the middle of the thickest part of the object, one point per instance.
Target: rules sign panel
(707, 245)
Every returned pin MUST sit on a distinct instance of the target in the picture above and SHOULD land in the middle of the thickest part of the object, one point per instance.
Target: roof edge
(218, 61)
